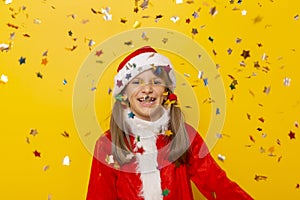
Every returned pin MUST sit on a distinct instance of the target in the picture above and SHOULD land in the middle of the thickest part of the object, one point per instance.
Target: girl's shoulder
(104, 141)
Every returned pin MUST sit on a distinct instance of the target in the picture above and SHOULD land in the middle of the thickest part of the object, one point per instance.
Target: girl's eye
(136, 82)
(157, 82)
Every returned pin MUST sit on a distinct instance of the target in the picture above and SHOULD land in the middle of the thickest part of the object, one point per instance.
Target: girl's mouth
(146, 99)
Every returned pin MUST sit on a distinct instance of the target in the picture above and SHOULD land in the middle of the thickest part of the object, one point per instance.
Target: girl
(150, 152)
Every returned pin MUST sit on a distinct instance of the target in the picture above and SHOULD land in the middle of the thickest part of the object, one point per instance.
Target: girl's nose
(147, 88)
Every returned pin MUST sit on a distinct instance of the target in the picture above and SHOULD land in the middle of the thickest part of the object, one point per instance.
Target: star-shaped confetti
(22, 60)
(99, 53)
(245, 54)
(140, 150)
(187, 20)
(3, 79)
(44, 61)
(128, 76)
(292, 135)
(174, 19)
(195, 14)
(194, 31)
(37, 154)
(131, 115)
(119, 83)
(165, 192)
(168, 133)
(167, 68)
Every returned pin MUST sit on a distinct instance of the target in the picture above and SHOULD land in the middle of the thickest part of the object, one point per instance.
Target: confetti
(37, 154)
(66, 161)
(205, 81)
(238, 40)
(39, 75)
(210, 39)
(107, 16)
(144, 36)
(72, 49)
(267, 89)
(46, 167)
(218, 112)
(99, 53)
(3, 79)
(244, 12)
(248, 116)
(179, 1)
(65, 82)
(12, 26)
(229, 51)
(140, 150)
(131, 115)
(8, 1)
(33, 132)
(144, 5)
(168, 133)
(4, 47)
(200, 74)
(221, 157)
(174, 19)
(265, 57)
(296, 17)
(296, 124)
(195, 14)
(259, 178)
(194, 31)
(123, 20)
(286, 81)
(278, 142)
(65, 134)
(292, 135)
(187, 20)
(245, 54)
(165, 40)
(252, 138)
(165, 192)
(261, 119)
(136, 24)
(213, 11)
(22, 60)
(44, 61)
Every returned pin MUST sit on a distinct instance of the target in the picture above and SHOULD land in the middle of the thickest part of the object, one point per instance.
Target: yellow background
(28, 102)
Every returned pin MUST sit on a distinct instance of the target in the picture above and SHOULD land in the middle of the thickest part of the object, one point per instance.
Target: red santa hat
(139, 61)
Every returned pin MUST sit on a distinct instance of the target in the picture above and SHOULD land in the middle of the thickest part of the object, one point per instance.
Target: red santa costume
(150, 175)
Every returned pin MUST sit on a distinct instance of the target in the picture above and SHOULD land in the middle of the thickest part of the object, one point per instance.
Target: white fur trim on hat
(139, 64)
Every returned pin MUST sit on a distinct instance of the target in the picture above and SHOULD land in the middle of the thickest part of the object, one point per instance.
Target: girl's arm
(209, 178)
(103, 176)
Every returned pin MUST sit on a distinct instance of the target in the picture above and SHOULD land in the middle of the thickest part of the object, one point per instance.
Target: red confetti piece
(292, 135)
(37, 154)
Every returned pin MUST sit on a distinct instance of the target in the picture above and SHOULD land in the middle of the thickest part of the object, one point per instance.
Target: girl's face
(145, 94)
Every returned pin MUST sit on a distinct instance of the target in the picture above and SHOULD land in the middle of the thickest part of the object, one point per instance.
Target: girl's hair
(179, 141)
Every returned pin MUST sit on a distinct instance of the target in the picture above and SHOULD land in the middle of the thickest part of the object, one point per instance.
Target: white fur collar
(144, 128)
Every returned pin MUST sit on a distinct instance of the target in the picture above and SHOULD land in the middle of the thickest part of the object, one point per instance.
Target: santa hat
(139, 61)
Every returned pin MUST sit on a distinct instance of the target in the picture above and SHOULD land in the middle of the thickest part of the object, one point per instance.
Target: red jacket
(109, 183)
